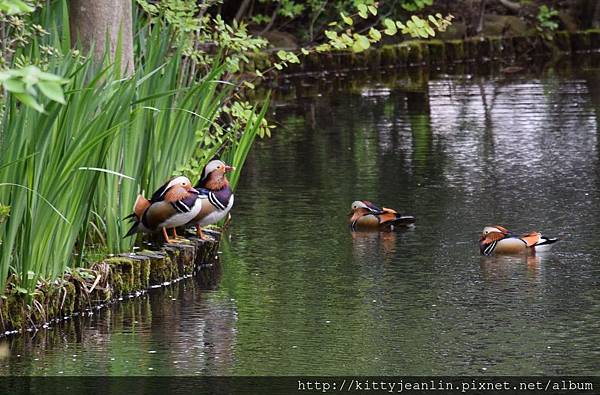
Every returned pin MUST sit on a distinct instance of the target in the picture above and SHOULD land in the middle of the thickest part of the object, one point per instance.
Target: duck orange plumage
(364, 215)
(214, 193)
(499, 240)
(173, 204)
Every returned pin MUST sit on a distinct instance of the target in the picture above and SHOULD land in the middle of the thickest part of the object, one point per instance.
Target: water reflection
(301, 294)
(176, 331)
(507, 267)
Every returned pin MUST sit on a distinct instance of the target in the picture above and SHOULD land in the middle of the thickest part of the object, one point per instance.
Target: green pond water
(296, 292)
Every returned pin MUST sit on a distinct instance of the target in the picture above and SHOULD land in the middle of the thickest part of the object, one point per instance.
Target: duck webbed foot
(166, 236)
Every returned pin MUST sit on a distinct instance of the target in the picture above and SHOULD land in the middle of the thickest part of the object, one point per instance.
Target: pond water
(298, 293)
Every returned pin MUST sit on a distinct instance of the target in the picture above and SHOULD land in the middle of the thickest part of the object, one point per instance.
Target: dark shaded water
(300, 294)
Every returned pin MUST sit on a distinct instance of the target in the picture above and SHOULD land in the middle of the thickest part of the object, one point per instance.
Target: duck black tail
(404, 220)
(133, 230)
(547, 240)
(130, 217)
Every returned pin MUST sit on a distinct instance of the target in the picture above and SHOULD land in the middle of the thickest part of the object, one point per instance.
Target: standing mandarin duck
(173, 204)
(364, 215)
(215, 194)
(497, 239)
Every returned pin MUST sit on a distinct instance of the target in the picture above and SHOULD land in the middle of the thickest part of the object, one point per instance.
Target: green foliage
(72, 177)
(291, 9)
(202, 37)
(238, 152)
(4, 213)
(27, 83)
(50, 195)
(345, 38)
(415, 5)
(547, 19)
(13, 7)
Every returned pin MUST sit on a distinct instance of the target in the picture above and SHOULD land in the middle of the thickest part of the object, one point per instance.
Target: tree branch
(511, 5)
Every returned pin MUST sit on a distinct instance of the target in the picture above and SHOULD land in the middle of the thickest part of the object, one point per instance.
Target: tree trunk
(242, 10)
(511, 5)
(93, 22)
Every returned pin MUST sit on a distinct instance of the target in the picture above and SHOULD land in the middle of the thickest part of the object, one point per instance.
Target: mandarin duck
(215, 194)
(173, 204)
(364, 215)
(497, 239)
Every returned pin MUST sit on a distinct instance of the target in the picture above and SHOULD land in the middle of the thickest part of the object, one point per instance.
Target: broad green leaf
(361, 43)
(304, 51)
(330, 34)
(12, 7)
(375, 34)
(28, 100)
(52, 91)
(347, 20)
(390, 27)
(363, 12)
(281, 54)
(418, 21)
(14, 85)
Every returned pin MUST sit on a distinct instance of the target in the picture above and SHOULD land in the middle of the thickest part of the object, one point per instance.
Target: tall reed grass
(72, 172)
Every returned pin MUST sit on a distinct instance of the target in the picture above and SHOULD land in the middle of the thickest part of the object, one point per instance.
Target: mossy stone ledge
(107, 281)
(435, 52)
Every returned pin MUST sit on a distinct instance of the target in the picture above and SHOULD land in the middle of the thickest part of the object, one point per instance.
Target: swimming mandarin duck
(364, 215)
(215, 194)
(497, 239)
(173, 204)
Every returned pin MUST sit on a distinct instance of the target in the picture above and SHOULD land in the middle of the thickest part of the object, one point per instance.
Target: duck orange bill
(229, 168)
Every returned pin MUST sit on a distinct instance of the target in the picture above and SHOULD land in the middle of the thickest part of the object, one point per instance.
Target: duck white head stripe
(490, 229)
(358, 204)
(212, 166)
(176, 181)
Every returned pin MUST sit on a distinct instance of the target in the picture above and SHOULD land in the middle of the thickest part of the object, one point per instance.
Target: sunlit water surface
(298, 293)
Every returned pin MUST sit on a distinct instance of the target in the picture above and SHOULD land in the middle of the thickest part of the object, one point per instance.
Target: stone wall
(107, 281)
(437, 52)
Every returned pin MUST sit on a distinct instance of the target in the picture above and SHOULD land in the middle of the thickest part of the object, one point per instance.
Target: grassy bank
(72, 164)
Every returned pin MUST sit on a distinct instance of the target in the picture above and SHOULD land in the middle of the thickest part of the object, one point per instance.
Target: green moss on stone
(437, 51)
(507, 50)
(117, 283)
(455, 51)
(562, 41)
(373, 58)
(70, 295)
(415, 52)
(483, 48)
(402, 54)
(389, 55)
(471, 48)
(126, 267)
(161, 266)
(13, 311)
(521, 45)
(580, 41)
(495, 47)
(594, 37)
